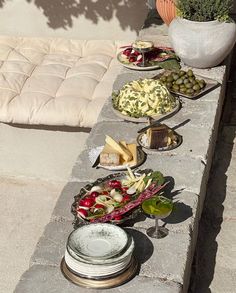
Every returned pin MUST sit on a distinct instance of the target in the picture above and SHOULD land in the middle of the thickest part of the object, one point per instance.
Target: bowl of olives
(186, 83)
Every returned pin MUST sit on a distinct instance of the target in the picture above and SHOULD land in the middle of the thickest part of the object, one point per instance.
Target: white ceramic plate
(92, 270)
(123, 60)
(98, 241)
(145, 119)
(119, 258)
(94, 153)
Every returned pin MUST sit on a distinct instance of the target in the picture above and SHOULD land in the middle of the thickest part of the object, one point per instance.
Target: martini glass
(158, 207)
(143, 47)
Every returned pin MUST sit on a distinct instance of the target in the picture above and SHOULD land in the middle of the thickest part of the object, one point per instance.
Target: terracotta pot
(166, 10)
(202, 44)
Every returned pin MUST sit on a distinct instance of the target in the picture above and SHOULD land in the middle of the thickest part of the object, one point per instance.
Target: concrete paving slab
(62, 210)
(51, 246)
(36, 153)
(49, 279)
(26, 207)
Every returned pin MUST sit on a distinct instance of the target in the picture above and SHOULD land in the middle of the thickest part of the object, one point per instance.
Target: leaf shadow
(61, 14)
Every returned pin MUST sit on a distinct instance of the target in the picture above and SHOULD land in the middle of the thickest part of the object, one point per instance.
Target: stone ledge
(150, 252)
(165, 263)
(62, 210)
(183, 172)
(49, 279)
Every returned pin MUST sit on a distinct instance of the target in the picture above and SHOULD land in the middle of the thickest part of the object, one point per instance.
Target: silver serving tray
(211, 84)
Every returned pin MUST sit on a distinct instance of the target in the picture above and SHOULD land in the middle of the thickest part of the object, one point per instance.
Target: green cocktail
(160, 207)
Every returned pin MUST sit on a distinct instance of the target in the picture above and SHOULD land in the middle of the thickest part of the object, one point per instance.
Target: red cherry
(94, 194)
(83, 213)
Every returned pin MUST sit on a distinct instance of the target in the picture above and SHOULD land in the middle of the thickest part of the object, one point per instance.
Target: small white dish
(98, 241)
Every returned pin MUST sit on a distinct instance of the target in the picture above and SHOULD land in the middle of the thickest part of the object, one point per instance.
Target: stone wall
(78, 19)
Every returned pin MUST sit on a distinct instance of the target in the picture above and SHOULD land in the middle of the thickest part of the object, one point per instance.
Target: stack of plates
(99, 252)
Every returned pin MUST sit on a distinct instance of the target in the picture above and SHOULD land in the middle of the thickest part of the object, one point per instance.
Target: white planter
(202, 44)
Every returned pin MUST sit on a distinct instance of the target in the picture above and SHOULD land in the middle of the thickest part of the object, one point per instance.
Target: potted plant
(166, 10)
(203, 34)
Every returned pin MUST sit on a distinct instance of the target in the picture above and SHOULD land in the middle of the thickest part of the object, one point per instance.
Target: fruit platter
(143, 98)
(186, 83)
(116, 198)
(131, 57)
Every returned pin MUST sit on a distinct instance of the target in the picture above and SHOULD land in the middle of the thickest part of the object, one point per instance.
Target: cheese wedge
(133, 149)
(125, 153)
(123, 142)
(109, 156)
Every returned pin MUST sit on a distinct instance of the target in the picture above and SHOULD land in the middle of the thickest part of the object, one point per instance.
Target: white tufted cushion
(55, 81)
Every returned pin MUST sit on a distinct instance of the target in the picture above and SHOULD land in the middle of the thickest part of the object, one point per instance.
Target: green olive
(186, 81)
(203, 81)
(175, 87)
(170, 78)
(189, 85)
(190, 91)
(175, 76)
(191, 79)
(201, 85)
(181, 73)
(183, 90)
(196, 87)
(190, 72)
(163, 78)
(179, 81)
(168, 84)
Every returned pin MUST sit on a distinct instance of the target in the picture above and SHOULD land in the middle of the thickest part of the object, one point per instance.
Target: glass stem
(143, 59)
(156, 226)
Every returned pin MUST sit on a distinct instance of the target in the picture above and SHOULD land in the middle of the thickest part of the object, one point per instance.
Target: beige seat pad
(55, 81)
